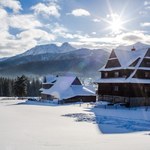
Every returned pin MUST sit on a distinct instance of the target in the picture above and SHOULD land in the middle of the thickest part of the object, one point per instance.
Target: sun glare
(115, 23)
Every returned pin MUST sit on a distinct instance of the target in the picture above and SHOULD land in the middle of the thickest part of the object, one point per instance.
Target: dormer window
(116, 88)
(148, 63)
(146, 74)
(124, 76)
(106, 74)
(116, 74)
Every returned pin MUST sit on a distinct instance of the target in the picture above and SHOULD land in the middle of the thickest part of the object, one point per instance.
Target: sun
(115, 23)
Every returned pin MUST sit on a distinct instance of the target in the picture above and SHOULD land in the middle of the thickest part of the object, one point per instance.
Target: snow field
(39, 127)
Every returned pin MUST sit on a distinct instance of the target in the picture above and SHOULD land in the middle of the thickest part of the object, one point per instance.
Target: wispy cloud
(145, 24)
(12, 45)
(114, 41)
(143, 12)
(45, 22)
(96, 20)
(48, 9)
(146, 3)
(15, 5)
(60, 31)
(3, 19)
(30, 32)
(80, 12)
(37, 34)
(24, 22)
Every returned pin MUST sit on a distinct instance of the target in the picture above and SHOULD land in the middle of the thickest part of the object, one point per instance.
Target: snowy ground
(39, 126)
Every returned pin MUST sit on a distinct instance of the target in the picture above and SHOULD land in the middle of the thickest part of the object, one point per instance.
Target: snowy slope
(40, 127)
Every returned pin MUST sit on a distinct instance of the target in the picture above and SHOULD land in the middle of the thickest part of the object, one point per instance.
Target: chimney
(133, 49)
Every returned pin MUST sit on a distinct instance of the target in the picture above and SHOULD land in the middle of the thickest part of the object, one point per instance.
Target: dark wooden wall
(141, 74)
(113, 63)
(126, 90)
(81, 99)
(122, 73)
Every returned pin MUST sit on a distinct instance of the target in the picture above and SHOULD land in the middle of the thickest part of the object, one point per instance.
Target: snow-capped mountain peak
(49, 48)
(65, 47)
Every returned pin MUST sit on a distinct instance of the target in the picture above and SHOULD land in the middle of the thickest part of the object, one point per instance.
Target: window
(116, 88)
(146, 89)
(116, 74)
(146, 74)
(145, 62)
(148, 63)
(124, 76)
(106, 74)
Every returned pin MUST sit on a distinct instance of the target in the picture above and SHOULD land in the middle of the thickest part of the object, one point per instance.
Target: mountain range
(52, 59)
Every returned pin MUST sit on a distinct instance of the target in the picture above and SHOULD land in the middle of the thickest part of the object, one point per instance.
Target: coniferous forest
(20, 86)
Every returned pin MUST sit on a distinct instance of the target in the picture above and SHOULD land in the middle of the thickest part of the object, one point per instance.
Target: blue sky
(83, 23)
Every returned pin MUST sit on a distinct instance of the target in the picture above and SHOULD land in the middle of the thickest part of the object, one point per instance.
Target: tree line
(20, 86)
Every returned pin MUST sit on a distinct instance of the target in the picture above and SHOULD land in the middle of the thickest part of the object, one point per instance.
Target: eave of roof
(124, 80)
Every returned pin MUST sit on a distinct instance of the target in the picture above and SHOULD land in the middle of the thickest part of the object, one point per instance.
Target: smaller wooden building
(66, 89)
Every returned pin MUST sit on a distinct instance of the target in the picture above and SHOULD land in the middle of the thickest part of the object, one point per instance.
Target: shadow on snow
(115, 121)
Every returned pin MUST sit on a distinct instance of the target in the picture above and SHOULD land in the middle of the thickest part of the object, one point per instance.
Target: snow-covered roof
(143, 68)
(41, 89)
(111, 80)
(143, 81)
(109, 69)
(126, 58)
(63, 89)
(81, 90)
(50, 79)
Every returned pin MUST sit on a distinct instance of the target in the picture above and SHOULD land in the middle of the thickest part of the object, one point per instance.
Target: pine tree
(20, 86)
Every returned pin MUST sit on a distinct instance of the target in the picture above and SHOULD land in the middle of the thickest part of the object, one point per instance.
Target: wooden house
(126, 77)
(66, 89)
